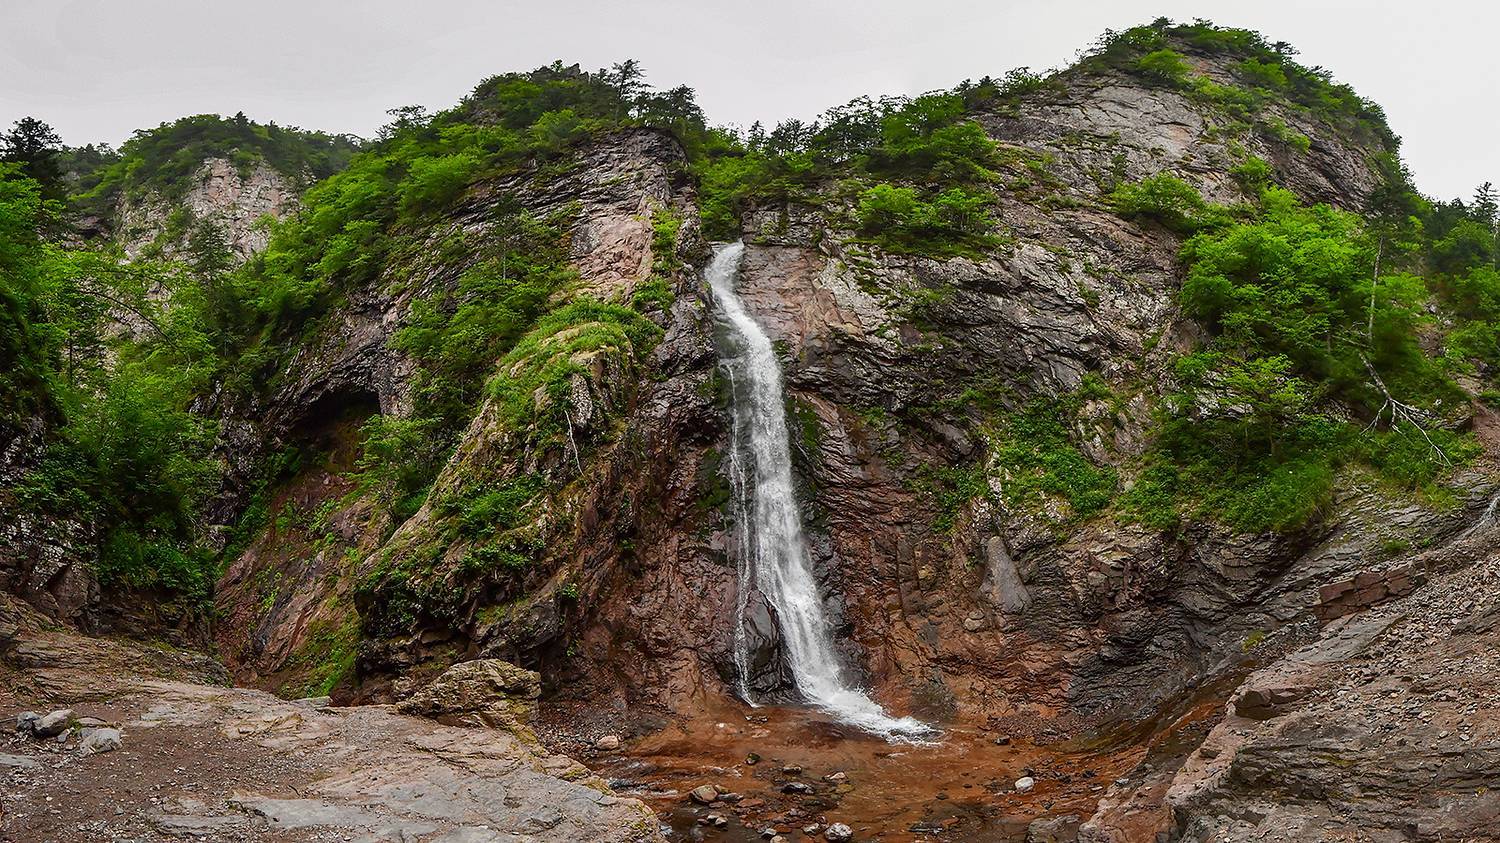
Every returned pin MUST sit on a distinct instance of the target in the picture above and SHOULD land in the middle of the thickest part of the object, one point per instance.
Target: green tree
(37, 148)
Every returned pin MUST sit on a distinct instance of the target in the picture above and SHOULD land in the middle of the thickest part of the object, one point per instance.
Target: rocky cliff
(966, 425)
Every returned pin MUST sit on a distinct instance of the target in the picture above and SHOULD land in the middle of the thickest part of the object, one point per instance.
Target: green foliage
(954, 222)
(1035, 452)
(1296, 327)
(457, 333)
(537, 373)
(165, 159)
(656, 293)
(927, 142)
(1168, 200)
(1267, 70)
(1166, 66)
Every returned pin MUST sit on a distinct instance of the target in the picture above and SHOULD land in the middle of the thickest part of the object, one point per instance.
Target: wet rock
(53, 724)
(100, 739)
(767, 667)
(483, 692)
(752, 759)
(704, 794)
(608, 743)
(1024, 784)
(838, 833)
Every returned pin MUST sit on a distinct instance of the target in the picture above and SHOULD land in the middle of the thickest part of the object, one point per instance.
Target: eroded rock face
(232, 198)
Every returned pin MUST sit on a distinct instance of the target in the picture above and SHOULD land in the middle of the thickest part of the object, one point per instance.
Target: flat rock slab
(202, 761)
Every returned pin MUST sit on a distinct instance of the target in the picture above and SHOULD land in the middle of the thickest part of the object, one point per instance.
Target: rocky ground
(198, 760)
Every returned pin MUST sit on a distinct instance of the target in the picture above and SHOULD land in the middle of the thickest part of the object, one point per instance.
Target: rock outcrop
(204, 760)
(238, 200)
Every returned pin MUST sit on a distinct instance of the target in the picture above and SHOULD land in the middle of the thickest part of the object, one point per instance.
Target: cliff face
(595, 542)
(236, 200)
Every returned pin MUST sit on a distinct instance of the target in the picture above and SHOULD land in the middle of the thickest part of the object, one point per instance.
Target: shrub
(1166, 66)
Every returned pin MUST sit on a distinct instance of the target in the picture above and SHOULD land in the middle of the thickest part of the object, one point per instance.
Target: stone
(1024, 784)
(792, 769)
(800, 788)
(193, 826)
(608, 743)
(482, 692)
(20, 762)
(26, 722)
(752, 759)
(837, 778)
(54, 723)
(703, 794)
(1063, 829)
(838, 833)
(715, 820)
(101, 739)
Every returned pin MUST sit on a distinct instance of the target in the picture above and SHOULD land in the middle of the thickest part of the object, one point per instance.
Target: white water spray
(773, 552)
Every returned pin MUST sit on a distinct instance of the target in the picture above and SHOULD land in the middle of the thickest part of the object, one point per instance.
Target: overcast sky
(98, 69)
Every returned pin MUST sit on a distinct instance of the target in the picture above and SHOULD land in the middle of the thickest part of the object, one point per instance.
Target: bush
(954, 222)
(1165, 66)
(1166, 199)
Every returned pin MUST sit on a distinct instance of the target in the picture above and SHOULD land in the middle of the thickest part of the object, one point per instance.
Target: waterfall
(773, 551)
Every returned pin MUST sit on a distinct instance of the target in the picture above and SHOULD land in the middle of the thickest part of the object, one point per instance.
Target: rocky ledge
(194, 759)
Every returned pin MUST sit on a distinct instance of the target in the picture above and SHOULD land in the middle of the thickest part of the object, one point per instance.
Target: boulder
(53, 724)
(1063, 829)
(1262, 702)
(102, 739)
(483, 692)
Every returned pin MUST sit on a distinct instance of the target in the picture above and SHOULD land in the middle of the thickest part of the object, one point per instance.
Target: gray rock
(26, 722)
(1024, 784)
(1062, 829)
(838, 833)
(18, 761)
(54, 723)
(195, 826)
(102, 739)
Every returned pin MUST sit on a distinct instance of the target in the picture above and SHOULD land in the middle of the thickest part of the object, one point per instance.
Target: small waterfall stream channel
(772, 549)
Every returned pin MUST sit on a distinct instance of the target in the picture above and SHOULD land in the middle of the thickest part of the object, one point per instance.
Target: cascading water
(773, 552)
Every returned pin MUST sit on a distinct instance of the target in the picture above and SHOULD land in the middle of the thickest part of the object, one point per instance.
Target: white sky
(98, 69)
